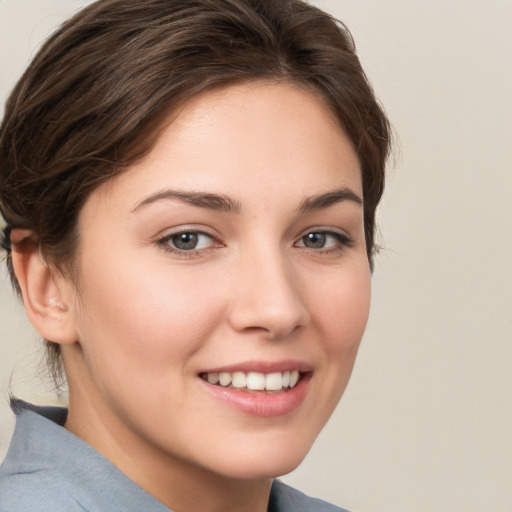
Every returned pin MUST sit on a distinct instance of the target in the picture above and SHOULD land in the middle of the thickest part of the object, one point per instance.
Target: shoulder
(29, 475)
(287, 499)
(48, 469)
(35, 492)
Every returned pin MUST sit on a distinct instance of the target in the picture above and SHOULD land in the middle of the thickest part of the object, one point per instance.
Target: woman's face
(231, 257)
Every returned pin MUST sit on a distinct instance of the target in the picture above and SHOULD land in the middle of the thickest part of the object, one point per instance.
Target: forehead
(255, 140)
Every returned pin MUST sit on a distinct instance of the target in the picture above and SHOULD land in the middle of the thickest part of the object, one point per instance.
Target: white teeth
(274, 381)
(239, 380)
(255, 381)
(224, 378)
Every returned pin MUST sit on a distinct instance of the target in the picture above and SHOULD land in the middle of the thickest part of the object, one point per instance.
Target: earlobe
(46, 294)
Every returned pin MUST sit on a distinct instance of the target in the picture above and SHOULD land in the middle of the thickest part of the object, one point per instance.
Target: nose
(267, 297)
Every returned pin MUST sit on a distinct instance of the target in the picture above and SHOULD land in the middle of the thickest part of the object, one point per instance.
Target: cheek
(342, 312)
(339, 313)
(146, 318)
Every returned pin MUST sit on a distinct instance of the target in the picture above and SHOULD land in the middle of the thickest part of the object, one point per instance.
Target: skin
(146, 321)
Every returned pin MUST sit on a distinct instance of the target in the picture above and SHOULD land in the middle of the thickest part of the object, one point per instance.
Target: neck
(177, 483)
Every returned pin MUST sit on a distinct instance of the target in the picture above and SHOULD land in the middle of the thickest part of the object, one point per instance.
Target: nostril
(266, 296)
(269, 322)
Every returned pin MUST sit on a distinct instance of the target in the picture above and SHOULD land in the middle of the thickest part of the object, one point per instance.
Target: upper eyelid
(170, 232)
(325, 229)
(168, 237)
(340, 237)
(184, 231)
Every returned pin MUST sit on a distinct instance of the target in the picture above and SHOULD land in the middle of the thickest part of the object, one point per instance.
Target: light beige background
(426, 424)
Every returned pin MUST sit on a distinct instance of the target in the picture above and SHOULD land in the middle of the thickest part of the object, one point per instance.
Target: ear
(47, 295)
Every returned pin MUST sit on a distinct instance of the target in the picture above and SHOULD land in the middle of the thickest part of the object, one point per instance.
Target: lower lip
(264, 405)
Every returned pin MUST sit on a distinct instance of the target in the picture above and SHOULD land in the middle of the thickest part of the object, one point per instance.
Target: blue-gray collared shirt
(48, 469)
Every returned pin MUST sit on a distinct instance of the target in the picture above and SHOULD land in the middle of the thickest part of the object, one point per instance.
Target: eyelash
(165, 244)
(343, 241)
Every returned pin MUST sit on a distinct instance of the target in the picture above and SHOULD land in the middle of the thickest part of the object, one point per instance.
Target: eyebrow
(327, 199)
(223, 203)
(217, 202)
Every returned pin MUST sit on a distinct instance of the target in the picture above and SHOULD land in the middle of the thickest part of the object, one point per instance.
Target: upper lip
(262, 367)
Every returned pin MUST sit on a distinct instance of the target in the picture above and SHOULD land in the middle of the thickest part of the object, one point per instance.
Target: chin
(258, 462)
(253, 470)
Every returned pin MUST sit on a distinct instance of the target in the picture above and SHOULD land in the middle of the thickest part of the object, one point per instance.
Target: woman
(189, 189)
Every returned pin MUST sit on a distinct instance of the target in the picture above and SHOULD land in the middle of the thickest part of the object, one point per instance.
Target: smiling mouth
(254, 381)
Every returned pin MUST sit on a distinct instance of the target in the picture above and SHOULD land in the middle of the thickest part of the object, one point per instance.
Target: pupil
(314, 240)
(185, 241)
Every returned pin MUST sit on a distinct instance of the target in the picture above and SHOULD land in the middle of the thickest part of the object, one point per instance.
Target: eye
(186, 241)
(324, 240)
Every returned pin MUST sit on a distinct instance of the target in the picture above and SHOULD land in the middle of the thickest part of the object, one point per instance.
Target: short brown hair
(95, 96)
